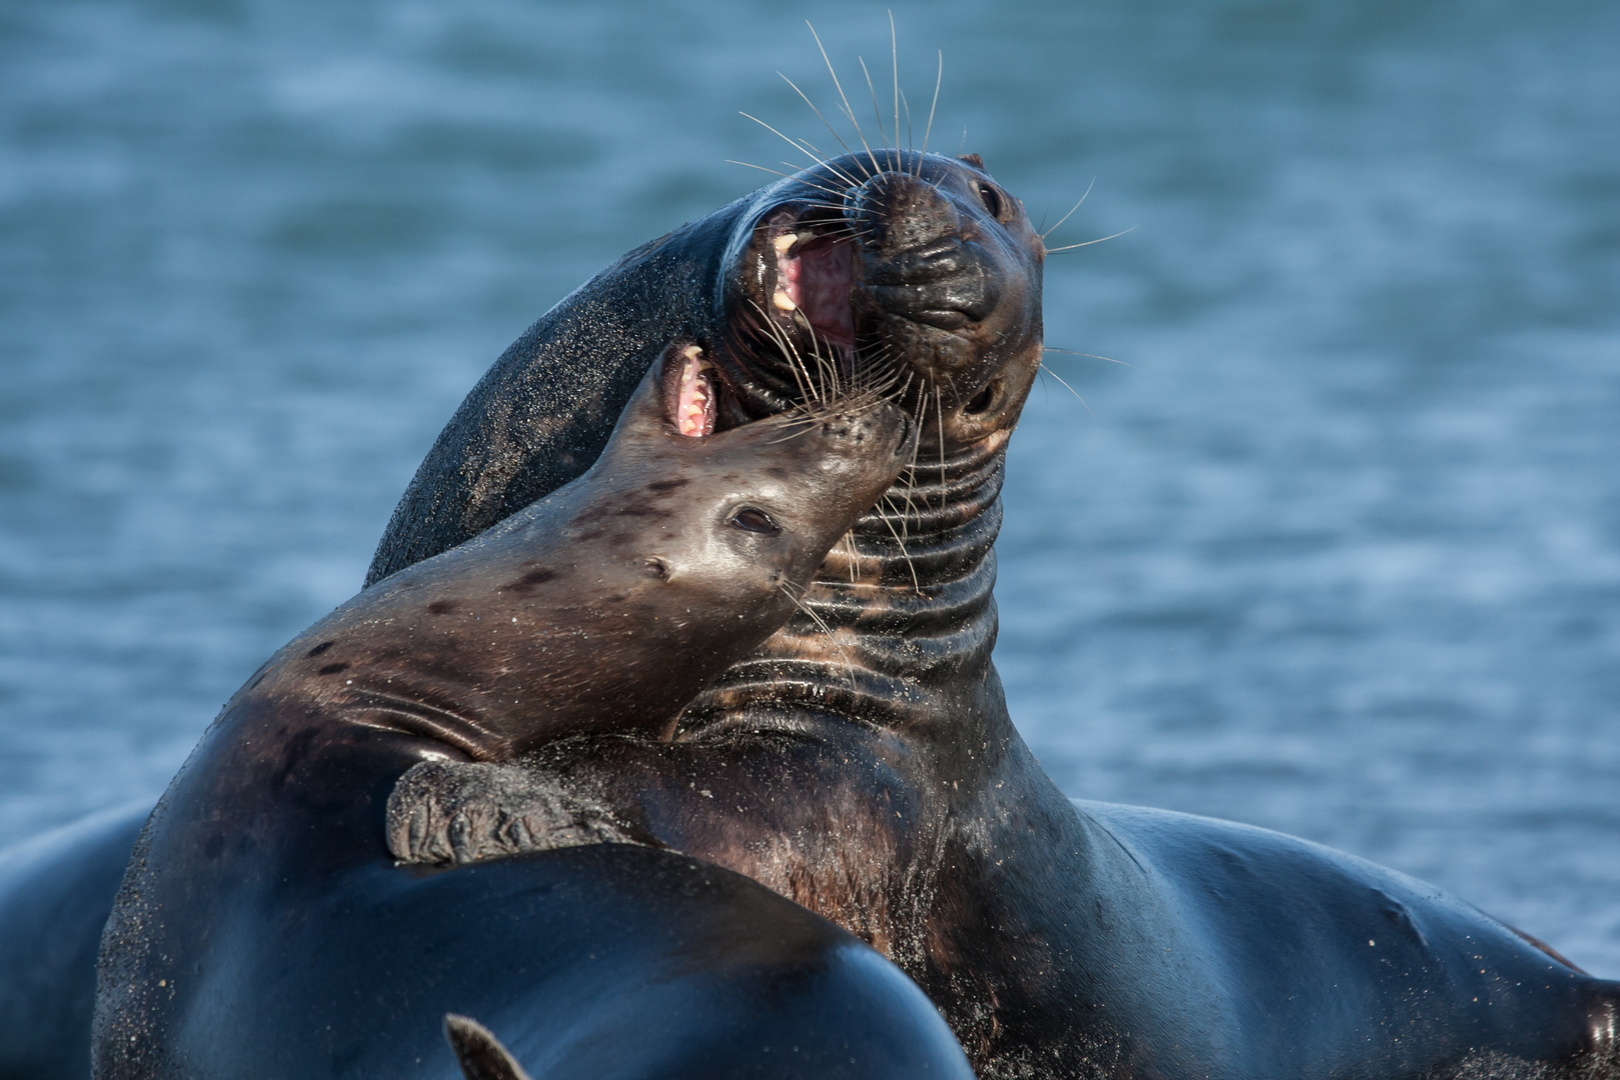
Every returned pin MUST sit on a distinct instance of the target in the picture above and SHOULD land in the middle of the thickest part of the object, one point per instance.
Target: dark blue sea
(1333, 547)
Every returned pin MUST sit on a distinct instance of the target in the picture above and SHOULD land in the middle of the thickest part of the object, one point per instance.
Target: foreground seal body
(604, 962)
(606, 604)
(55, 892)
(863, 762)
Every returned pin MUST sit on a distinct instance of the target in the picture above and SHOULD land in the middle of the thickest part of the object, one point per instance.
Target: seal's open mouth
(814, 272)
(805, 259)
(690, 393)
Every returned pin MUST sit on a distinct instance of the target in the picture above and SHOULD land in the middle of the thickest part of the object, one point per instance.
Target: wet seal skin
(861, 761)
(55, 892)
(603, 607)
(603, 962)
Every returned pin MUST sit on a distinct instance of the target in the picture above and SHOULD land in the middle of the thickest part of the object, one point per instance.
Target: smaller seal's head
(739, 520)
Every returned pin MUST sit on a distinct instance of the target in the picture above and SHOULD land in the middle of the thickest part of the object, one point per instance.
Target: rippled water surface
(1338, 552)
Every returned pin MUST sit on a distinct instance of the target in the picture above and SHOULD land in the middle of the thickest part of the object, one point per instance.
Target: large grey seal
(261, 883)
(872, 773)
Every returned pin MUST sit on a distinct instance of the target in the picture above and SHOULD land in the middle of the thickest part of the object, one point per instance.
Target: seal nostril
(983, 399)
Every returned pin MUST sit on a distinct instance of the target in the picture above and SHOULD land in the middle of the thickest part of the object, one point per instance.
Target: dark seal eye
(991, 198)
(754, 521)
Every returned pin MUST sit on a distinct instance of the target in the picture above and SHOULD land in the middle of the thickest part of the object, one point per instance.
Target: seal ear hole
(658, 568)
(755, 521)
(983, 399)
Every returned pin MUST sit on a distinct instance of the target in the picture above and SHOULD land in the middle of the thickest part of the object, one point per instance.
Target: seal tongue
(814, 277)
(693, 407)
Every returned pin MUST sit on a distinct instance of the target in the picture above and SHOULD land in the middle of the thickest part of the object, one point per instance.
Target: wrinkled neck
(900, 616)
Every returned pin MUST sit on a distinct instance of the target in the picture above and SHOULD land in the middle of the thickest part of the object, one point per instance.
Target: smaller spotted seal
(606, 605)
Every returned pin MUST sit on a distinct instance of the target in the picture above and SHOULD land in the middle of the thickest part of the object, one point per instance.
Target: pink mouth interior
(816, 275)
(694, 405)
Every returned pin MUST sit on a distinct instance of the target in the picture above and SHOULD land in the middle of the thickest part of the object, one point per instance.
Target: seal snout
(896, 211)
(920, 261)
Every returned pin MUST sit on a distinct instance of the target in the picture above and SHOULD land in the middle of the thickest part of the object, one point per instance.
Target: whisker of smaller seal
(916, 585)
(849, 666)
(911, 469)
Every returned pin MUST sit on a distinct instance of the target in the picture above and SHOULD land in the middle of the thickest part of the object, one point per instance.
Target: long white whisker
(791, 142)
(894, 66)
(825, 629)
(1088, 243)
(1090, 355)
(1072, 209)
(870, 89)
(778, 172)
(916, 585)
(939, 77)
(849, 112)
(1070, 389)
(825, 121)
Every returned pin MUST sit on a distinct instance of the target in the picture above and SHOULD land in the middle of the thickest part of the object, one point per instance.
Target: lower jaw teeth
(782, 301)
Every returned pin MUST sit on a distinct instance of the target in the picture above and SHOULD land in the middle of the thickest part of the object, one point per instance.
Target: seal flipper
(480, 1053)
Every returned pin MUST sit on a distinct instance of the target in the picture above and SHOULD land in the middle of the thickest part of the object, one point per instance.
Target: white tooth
(783, 242)
(783, 301)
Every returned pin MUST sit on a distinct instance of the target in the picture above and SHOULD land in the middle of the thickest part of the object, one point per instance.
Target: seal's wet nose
(896, 211)
(923, 267)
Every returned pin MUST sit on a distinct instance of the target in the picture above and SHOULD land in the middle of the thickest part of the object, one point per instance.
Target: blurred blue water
(1339, 553)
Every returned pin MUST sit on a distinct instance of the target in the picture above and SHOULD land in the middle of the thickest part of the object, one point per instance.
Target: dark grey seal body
(55, 892)
(261, 928)
(863, 763)
(604, 962)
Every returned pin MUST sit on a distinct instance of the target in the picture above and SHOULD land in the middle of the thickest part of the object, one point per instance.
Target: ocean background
(1334, 548)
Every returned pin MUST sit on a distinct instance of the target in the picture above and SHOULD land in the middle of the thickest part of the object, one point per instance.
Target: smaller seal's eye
(991, 198)
(754, 521)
